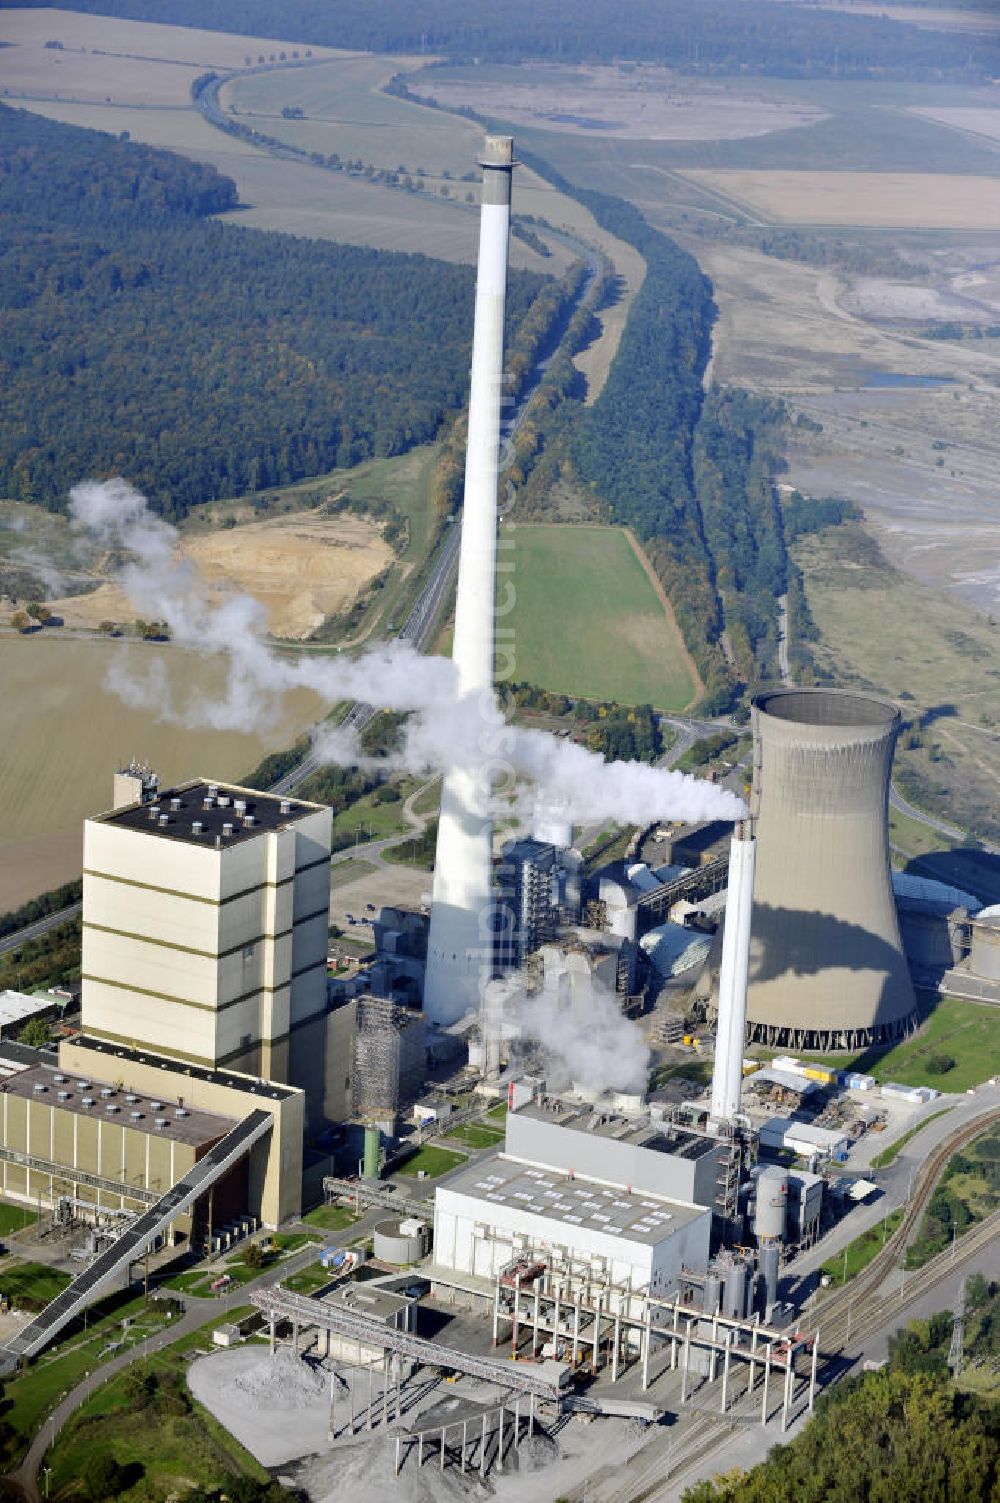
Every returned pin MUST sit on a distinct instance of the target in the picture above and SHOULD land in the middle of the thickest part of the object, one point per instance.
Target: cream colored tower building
(205, 930)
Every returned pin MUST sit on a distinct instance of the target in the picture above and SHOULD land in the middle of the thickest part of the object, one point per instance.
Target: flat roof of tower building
(203, 812)
(103, 1101)
(232, 1079)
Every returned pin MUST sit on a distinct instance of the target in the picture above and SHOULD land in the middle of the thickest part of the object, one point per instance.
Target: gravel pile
(283, 1381)
(534, 1452)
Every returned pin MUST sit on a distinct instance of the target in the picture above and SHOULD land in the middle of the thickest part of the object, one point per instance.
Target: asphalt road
(39, 927)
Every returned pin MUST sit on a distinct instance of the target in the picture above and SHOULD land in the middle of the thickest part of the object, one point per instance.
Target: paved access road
(39, 927)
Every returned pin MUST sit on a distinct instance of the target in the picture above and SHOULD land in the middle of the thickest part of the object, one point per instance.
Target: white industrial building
(804, 1138)
(623, 1240)
(18, 1008)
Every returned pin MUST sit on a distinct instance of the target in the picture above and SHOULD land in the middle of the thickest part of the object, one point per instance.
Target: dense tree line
(736, 450)
(41, 907)
(200, 359)
(802, 515)
(711, 37)
(633, 447)
(49, 960)
(890, 1435)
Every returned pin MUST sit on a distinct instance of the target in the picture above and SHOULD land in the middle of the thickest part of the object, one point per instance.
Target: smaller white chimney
(727, 1075)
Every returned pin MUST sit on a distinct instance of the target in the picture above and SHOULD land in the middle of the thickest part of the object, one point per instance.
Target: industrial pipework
(460, 944)
(727, 1075)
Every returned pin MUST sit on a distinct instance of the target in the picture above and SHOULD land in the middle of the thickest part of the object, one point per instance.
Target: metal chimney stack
(460, 945)
(727, 1076)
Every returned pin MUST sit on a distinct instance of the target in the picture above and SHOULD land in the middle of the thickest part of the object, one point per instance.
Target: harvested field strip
(893, 200)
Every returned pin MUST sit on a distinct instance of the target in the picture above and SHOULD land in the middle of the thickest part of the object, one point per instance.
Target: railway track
(848, 1305)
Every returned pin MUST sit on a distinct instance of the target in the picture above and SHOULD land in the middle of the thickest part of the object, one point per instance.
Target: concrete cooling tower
(826, 968)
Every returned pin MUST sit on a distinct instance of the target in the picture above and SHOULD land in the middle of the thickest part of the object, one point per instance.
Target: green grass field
(965, 1031)
(477, 1135)
(858, 1254)
(613, 640)
(309, 1279)
(330, 1218)
(30, 1286)
(909, 837)
(168, 1445)
(345, 112)
(14, 1218)
(433, 1161)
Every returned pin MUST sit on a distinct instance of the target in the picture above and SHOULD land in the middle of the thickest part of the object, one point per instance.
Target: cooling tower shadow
(969, 868)
(801, 943)
(793, 945)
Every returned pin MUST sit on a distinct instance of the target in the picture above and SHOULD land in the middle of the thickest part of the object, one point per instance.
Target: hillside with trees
(201, 359)
(710, 37)
(905, 1433)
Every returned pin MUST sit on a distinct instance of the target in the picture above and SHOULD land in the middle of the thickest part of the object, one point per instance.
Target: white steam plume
(582, 1036)
(165, 587)
(444, 730)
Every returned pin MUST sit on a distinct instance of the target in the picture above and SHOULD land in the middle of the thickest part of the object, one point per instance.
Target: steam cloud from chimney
(444, 729)
(573, 1037)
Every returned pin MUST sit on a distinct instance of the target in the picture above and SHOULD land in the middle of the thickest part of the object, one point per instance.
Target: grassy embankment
(858, 1254)
(890, 1154)
(163, 1438)
(881, 629)
(968, 1192)
(113, 1325)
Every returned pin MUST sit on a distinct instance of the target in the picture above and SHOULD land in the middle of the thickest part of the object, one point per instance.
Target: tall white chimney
(460, 945)
(727, 1076)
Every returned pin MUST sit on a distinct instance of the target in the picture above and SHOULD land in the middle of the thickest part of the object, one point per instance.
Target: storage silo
(827, 969)
(772, 1204)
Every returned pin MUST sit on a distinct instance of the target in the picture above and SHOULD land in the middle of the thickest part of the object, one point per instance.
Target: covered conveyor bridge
(546, 1380)
(115, 1260)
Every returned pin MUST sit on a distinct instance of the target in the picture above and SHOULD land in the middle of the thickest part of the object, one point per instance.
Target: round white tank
(772, 1203)
(391, 1244)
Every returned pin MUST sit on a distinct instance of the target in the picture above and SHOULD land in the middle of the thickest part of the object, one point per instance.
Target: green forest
(892, 1435)
(710, 37)
(201, 359)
